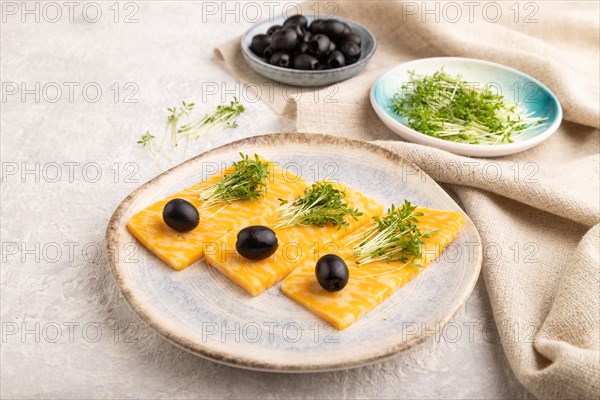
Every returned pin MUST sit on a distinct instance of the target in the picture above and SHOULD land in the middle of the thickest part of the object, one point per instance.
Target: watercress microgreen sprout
(320, 204)
(450, 108)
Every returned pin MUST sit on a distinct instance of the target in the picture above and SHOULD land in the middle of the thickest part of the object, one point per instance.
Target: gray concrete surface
(68, 159)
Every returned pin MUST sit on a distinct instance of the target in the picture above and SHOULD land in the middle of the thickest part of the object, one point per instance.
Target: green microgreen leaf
(175, 129)
(449, 108)
(393, 237)
(248, 181)
(320, 204)
(222, 116)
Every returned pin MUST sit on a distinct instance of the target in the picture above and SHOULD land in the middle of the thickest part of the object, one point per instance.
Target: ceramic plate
(308, 78)
(510, 83)
(203, 312)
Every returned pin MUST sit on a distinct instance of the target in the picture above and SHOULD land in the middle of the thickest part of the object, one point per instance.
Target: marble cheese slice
(297, 244)
(179, 250)
(372, 283)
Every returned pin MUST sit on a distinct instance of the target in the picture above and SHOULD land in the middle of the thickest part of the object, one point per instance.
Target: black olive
(284, 39)
(181, 215)
(336, 59)
(334, 29)
(331, 46)
(319, 44)
(351, 51)
(316, 25)
(347, 30)
(273, 29)
(298, 20)
(280, 59)
(268, 53)
(307, 36)
(300, 31)
(322, 60)
(332, 273)
(301, 48)
(259, 44)
(352, 37)
(306, 62)
(256, 242)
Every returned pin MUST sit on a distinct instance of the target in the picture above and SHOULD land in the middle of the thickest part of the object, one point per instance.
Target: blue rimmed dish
(511, 83)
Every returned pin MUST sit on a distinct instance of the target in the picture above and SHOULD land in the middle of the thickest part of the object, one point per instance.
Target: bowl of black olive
(307, 51)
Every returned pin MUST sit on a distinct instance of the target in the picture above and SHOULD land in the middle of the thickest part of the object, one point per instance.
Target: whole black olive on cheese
(181, 215)
(332, 273)
(256, 242)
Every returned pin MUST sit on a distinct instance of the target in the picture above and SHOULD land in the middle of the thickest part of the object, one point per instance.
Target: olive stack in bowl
(324, 44)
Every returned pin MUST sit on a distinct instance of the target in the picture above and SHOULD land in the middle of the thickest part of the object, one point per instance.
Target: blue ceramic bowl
(308, 78)
(510, 83)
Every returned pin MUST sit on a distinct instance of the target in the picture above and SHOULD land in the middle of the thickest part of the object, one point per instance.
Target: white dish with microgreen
(466, 106)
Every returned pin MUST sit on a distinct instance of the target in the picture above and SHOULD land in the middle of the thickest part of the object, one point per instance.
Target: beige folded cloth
(537, 211)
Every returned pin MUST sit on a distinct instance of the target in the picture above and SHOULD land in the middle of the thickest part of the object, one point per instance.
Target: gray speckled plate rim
(116, 264)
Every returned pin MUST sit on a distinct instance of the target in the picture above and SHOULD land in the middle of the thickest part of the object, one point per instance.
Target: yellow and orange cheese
(372, 283)
(299, 247)
(296, 244)
(180, 250)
